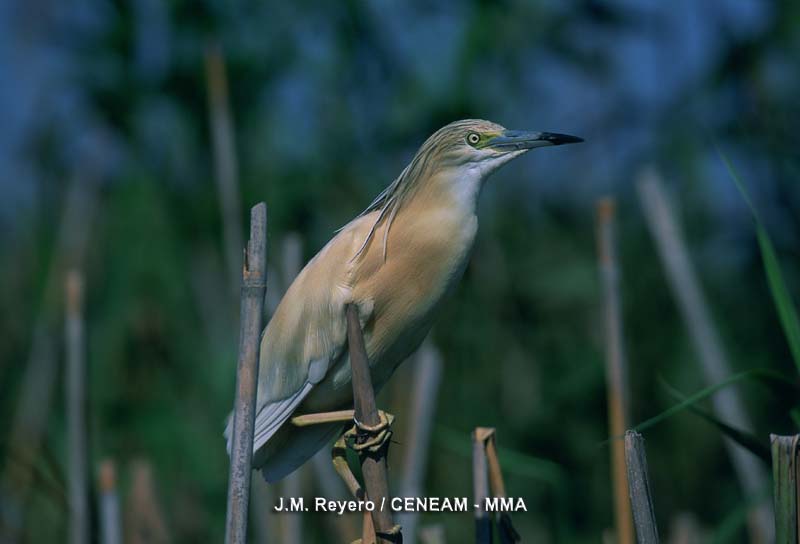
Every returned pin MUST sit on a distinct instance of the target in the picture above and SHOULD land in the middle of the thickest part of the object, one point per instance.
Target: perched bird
(395, 262)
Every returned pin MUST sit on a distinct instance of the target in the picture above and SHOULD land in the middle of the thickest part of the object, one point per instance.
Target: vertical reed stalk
(644, 517)
(616, 371)
(225, 164)
(373, 465)
(292, 485)
(254, 283)
(144, 517)
(110, 525)
(75, 392)
(785, 472)
(686, 288)
(480, 485)
(427, 375)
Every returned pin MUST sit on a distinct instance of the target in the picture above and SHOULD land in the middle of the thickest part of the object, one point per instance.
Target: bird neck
(455, 188)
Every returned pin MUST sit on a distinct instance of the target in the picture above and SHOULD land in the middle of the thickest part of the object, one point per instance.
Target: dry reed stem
(373, 465)
(110, 524)
(75, 393)
(427, 375)
(254, 278)
(225, 164)
(616, 371)
(785, 471)
(686, 288)
(480, 484)
(644, 517)
(144, 518)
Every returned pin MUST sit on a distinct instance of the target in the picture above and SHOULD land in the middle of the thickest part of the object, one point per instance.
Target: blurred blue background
(107, 164)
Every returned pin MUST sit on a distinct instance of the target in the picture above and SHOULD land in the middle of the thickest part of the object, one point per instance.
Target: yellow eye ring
(473, 138)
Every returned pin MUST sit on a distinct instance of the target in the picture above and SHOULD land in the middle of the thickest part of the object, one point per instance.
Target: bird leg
(339, 458)
(341, 416)
(360, 437)
(363, 439)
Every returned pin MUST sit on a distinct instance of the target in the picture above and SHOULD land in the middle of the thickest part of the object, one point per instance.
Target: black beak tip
(560, 139)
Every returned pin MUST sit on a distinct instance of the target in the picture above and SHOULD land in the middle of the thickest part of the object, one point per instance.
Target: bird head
(460, 155)
(474, 144)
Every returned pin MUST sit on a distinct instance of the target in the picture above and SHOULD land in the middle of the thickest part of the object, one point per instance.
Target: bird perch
(373, 465)
(254, 284)
(644, 518)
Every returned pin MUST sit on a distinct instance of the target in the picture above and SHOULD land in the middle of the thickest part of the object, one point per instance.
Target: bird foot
(370, 438)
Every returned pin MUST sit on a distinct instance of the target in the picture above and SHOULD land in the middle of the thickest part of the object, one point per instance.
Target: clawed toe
(371, 438)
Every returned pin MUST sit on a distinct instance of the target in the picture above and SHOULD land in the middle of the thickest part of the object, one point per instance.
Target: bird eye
(473, 138)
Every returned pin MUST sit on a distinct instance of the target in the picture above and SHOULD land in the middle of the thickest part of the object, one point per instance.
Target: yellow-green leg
(372, 438)
(361, 438)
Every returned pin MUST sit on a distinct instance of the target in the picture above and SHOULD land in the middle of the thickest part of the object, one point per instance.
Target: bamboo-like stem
(254, 283)
(692, 303)
(786, 481)
(225, 164)
(75, 393)
(644, 517)
(373, 465)
(480, 485)
(616, 371)
(110, 525)
(427, 375)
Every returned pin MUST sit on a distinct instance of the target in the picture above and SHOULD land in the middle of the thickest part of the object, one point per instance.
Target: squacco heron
(395, 262)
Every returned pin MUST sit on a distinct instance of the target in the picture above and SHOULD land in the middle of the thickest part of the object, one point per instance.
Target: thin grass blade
(787, 312)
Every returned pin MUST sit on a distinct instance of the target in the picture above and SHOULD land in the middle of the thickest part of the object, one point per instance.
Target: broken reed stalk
(616, 371)
(689, 295)
(644, 517)
(373, 465)
(75, 392)
(225, 164)
(786, 481)
(110, 525)
(480, 485)
(254, 283)
(508, 535)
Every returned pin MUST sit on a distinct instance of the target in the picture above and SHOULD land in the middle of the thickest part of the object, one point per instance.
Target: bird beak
(516, 140)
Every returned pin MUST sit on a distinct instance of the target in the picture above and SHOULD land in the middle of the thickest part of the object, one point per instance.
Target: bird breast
(427, 250)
